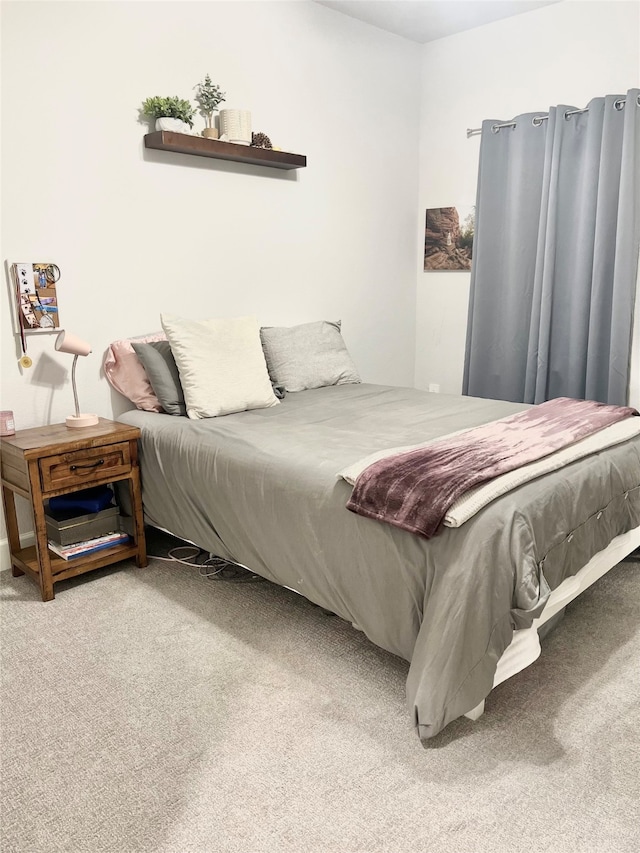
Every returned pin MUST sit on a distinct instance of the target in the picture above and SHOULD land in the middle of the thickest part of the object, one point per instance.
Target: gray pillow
(160, 366)
(311, 355)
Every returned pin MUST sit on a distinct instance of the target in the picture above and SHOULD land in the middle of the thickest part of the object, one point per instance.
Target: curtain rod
(536, 121)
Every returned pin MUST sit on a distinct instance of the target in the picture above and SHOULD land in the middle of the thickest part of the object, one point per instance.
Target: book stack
(83, 522)
(81, 549)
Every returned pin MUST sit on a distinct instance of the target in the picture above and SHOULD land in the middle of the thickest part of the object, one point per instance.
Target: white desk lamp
(66, 342)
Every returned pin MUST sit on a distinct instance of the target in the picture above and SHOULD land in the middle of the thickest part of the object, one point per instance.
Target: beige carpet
(154, 710)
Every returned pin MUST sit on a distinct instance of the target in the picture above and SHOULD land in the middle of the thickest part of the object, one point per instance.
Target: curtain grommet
(536, 121)
(619, 104)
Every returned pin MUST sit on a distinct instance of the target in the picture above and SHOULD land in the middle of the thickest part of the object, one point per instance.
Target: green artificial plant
(208, 96)
(171, 107)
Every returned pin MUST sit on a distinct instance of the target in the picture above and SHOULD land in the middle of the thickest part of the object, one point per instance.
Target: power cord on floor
(223, 570)
(209, 566)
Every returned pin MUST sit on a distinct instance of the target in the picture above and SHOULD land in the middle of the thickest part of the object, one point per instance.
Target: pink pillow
(126, 374)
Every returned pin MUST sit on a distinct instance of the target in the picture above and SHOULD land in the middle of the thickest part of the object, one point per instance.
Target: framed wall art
(448, 238)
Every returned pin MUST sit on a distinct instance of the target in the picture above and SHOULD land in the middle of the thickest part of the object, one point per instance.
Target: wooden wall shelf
(182, 143)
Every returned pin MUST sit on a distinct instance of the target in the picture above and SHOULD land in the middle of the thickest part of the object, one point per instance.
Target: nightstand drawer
(84, 466)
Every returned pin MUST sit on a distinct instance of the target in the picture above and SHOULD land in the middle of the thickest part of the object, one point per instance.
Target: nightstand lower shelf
(27, 560)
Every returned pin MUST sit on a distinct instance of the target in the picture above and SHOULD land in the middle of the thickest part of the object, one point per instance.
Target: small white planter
(174, 124)
(235, 125)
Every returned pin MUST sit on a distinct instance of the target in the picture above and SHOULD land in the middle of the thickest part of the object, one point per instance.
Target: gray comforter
(260, 488)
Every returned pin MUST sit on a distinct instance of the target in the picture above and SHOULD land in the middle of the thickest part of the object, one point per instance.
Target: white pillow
(221, 365)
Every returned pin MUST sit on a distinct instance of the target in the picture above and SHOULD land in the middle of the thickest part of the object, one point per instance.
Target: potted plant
(208, 96)
(170, 113)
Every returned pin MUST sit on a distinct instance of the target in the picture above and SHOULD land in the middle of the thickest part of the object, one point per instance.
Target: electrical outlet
(434, 387)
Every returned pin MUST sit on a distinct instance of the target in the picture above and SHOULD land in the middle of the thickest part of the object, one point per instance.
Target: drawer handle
(91, 465)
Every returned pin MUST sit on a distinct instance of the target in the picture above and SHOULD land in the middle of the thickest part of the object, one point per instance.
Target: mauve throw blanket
(413, 490)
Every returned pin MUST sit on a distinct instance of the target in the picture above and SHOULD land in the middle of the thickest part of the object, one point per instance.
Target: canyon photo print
(448, 238)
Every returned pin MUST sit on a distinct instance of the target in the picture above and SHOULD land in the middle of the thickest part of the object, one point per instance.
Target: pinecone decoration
(260, 140)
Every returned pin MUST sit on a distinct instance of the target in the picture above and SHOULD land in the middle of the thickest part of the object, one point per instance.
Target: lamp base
(79, 421)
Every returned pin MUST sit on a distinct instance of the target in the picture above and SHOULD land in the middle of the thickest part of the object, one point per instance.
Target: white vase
(174, 124)
(236, 126)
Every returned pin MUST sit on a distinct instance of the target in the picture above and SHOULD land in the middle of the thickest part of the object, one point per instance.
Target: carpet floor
(157, 711)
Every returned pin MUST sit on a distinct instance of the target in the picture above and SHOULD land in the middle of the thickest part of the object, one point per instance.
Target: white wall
(565, 53)
(136, 233)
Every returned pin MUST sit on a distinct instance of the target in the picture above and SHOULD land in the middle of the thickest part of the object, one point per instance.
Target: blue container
(86, 500)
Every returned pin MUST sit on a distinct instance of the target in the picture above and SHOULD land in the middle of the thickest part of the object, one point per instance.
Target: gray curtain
(555, 254)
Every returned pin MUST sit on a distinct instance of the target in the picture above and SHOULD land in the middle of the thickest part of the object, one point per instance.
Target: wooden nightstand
(55, 460)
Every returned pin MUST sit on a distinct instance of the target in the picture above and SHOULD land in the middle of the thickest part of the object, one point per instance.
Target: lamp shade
(66, 342)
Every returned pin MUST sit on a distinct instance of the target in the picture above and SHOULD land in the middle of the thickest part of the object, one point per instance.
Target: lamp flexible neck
(73, 383)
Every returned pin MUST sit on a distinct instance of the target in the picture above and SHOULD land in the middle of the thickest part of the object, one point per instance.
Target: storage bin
(66, 529)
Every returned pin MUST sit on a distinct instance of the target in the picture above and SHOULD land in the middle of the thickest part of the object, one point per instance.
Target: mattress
(261, 488)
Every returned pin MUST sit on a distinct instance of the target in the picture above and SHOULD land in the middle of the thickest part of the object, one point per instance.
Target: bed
(262, 488)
